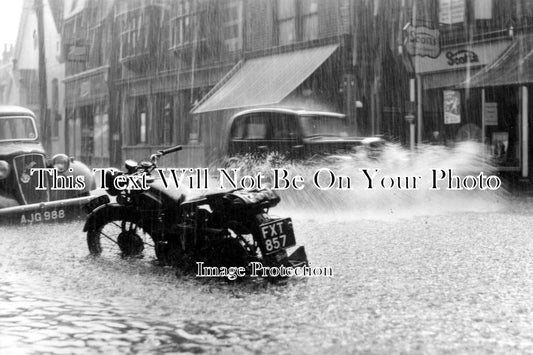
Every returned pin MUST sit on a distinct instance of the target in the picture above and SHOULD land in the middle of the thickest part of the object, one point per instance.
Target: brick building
(146, 74)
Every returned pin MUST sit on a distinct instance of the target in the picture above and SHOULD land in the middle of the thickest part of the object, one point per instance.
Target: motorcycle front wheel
(120, 238)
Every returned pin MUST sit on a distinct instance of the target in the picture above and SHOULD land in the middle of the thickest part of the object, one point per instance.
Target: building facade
(476, 83)
(146, 74)
(22, 87)
(91, 105)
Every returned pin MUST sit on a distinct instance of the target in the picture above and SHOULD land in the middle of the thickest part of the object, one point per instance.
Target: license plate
(277, 235)
(95, 202)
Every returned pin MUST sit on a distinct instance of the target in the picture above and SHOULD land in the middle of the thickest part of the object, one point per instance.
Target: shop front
(156, 114)
(504, 94)
(307, 78)
(473, 92)
(87, 110)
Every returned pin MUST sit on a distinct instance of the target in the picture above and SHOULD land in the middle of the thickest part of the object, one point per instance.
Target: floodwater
(414, 270)
(34, 321)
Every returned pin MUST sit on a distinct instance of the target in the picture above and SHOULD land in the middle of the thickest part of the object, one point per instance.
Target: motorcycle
(222, 229)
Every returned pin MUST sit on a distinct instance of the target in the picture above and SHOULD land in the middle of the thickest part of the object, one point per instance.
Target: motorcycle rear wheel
(120, 238)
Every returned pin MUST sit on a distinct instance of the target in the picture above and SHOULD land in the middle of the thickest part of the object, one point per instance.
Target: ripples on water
(31, 322)
(464, 159)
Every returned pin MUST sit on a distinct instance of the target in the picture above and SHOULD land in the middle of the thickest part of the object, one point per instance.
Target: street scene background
(444, 83)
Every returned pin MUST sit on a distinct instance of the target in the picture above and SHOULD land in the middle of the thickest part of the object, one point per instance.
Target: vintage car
(21, 152)
(294, 133)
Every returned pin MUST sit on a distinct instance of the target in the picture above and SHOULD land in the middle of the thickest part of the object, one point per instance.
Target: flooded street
(448, 282)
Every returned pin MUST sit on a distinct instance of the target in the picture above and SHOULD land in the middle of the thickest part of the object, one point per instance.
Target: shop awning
(264, 80)
(506, 69)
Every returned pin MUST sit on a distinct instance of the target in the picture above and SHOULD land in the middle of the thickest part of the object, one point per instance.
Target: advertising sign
(491, 114)
(451, 11)
(452, 106)
(423, 41)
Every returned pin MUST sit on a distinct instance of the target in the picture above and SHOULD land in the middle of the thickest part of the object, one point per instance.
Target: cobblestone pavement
(442, 283)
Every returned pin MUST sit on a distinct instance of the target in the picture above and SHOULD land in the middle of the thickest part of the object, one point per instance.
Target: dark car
(20, 152)
(294, 133)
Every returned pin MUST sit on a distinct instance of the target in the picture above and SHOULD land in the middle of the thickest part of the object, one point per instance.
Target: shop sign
(491, 113)
(423, 41)
(452, 106)
(461, 57)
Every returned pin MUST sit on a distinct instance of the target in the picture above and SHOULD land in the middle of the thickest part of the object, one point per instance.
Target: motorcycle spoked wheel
(120, 238)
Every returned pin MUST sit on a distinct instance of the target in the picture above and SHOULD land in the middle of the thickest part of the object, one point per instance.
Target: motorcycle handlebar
(170, 150)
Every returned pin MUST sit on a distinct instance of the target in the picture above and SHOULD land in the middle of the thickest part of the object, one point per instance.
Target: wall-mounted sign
(77, 53)
(452, 106)
(491, 113)
(473, 56)
(461, 57)
(451, 11)
(423, 41)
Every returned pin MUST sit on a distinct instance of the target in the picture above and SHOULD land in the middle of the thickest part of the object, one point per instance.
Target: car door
(249, 134)
(284, 135)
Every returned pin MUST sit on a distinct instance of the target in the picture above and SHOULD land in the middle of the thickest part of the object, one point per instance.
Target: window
(309, 19)
(139, 123)
(133, 38)
(56, 116)
(286, 21)
(297, 21)
(101, 132)
(232, 26)
(256, 128)
(283, 127)
(163, 120)
(189, 24)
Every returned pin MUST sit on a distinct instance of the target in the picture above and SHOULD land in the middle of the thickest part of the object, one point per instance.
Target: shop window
(142, 128)
(87, 133)
(55, 115)
(163, 122)
(138, 124)
(101, 132)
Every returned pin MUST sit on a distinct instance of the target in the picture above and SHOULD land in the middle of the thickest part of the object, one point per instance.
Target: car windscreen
(15, 128)
(322, 125)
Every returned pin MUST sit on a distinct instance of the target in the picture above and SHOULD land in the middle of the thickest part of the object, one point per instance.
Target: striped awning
(264, 80)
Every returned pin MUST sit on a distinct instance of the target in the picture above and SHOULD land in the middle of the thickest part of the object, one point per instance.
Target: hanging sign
(452, 106)
(423, 41)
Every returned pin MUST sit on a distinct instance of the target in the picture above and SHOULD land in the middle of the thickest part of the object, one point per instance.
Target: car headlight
(61, 162)
(5, 169)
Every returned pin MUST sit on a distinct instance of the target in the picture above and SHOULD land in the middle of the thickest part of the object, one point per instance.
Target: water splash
(402, 200)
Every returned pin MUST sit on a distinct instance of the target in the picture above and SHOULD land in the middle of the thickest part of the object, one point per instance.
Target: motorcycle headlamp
(5, 169)
(60, 162)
